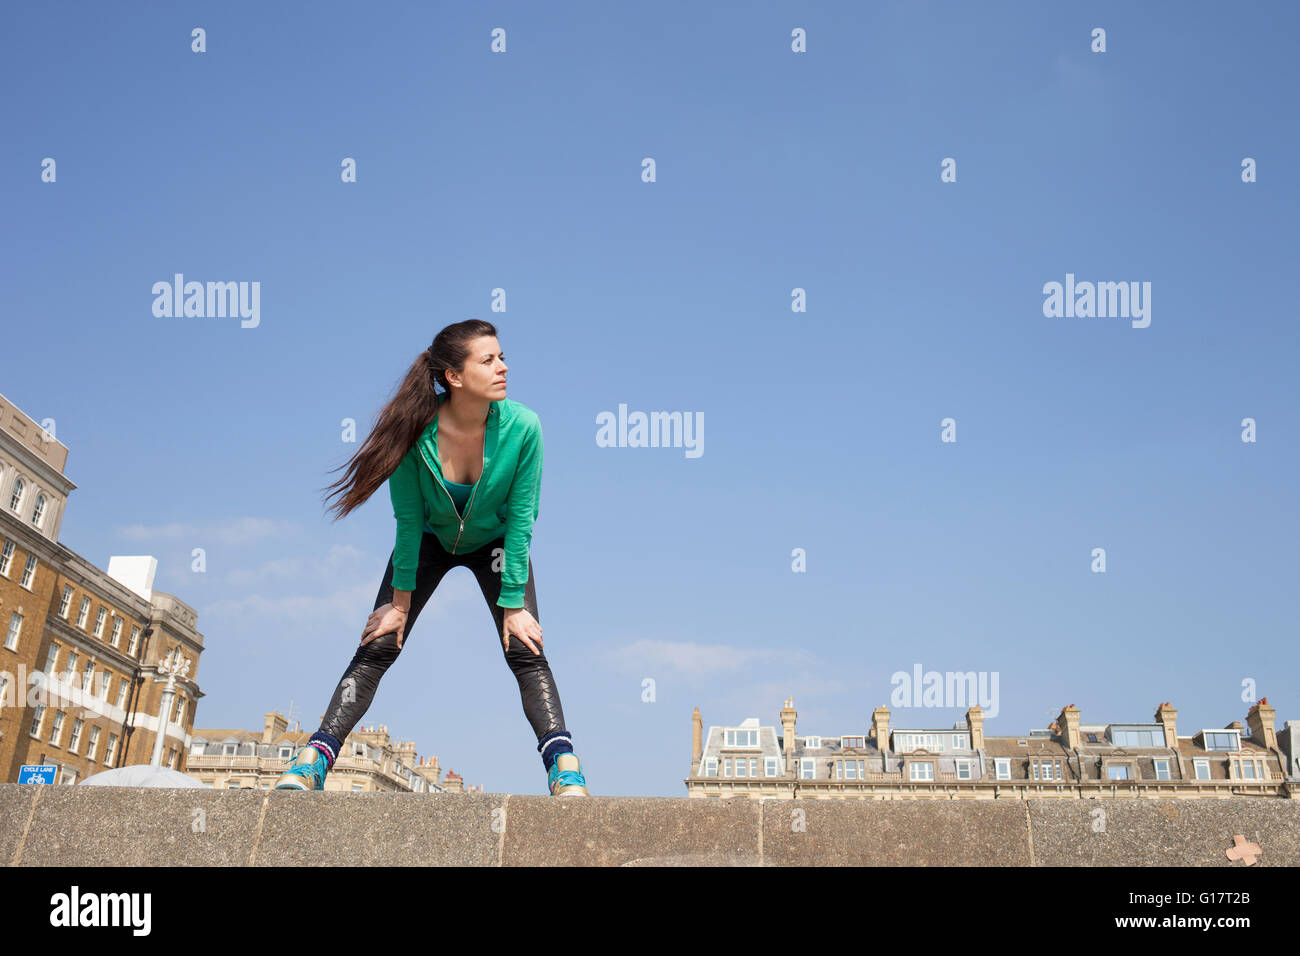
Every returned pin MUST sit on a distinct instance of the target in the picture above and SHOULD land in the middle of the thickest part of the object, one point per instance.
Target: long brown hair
(401, 421)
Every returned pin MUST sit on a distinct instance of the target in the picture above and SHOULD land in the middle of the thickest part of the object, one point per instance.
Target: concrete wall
(50, 825)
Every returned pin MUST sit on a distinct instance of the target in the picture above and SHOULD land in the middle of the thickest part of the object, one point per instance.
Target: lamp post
(172, 668)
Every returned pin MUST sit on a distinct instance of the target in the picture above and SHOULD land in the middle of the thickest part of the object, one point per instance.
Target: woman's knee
(383, 650)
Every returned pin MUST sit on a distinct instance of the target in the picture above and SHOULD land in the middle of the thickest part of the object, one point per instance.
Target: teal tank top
(459, 494)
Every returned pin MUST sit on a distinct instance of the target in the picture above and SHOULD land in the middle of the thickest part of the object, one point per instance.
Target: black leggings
(357, 688)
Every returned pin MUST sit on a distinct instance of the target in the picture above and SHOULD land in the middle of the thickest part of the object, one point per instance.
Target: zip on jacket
(504, 502)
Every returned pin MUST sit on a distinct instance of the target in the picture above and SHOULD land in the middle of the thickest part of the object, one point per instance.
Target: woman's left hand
(523, 626)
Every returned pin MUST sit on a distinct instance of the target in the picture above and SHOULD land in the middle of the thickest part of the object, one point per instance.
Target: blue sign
(37, 773)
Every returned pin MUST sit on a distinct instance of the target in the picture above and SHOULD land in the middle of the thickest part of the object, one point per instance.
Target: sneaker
(307, 773)
(566, 779)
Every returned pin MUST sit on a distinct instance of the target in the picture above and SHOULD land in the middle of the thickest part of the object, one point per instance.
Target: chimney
(788, 715)
(1068, 720)
(880, 727)
(453, 781)
(975, 724)
(1166, 714)
(1260, 721)
(275, 725)
(697, 739)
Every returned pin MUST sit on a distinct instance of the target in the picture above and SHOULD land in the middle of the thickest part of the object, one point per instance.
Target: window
(961, 741)
(92, 742)
(1092, 738)
(99, 621)
(29, 569)
(1137, 738)
(1117, 772)
(38, 715)
(286, 753)
(806, 768)
(770, 767)
(71, 673)
(920, 770)
(233, 785)
(710, 766)
(850, 769)
(1201, 766)
(84, 610)
(228, 750)
(52, 659)
(358, 750)
(65, 602)
(88, 677)
(356, 788)
(197, 747)
(15, 628)
(753, 766)
(75, 740)
(4, 691)
(179, 716)
(105, 678)
(121, 692)
(1045, 769)
(812, 742)
(135, 637)
(963, 770)
(847, 742)
(1002, 767)
(171, 757)
(38, 513)
(1162, 769)
(57, 730)
(117, 631)
(741, 738)
(112, 748)
(1250, 769)
(6, 558)
(16, 494)
(1221, 740)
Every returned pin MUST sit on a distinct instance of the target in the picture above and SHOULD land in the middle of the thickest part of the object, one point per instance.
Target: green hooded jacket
(504, 502)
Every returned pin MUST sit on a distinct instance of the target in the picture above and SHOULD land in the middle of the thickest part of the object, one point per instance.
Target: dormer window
(858, 742)
(1137, 738)
(740, 738)
(1221, 740)
(812, 742)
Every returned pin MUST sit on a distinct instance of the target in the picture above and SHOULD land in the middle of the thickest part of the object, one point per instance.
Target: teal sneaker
(307, 773)
(566, 779)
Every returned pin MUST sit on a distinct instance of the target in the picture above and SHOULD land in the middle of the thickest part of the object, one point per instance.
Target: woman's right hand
(383, 619)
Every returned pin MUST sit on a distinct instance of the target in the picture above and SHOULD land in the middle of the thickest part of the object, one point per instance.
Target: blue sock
(327, 744)
(552, 745)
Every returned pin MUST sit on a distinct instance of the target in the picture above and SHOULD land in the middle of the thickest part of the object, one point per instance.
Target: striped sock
(552, 745)
(327, 744)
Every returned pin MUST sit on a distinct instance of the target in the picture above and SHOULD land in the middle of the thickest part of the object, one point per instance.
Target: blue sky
(774, 171)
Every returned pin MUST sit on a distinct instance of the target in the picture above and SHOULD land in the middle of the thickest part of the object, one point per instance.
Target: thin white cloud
(150, 532)
(235, 531)
(700, 659)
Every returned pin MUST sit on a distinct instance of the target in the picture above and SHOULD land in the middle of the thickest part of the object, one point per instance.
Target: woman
(464, 474)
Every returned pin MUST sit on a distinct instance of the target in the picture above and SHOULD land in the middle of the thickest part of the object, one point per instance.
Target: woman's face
(484, 374)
